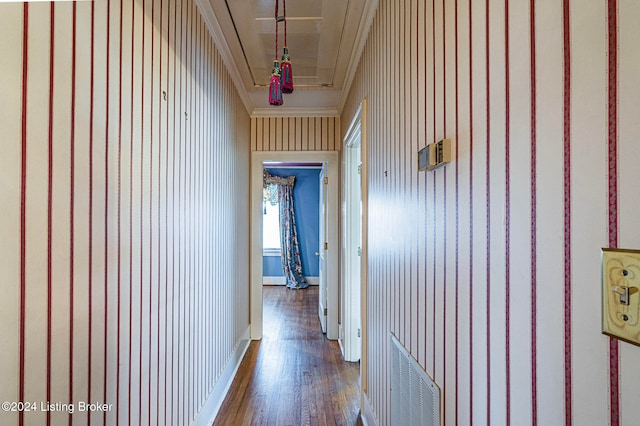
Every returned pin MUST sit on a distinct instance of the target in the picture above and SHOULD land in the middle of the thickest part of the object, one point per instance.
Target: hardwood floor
(294, 376)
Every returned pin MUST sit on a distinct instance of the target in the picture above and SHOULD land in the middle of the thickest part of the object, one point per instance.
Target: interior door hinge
(359, 169)
(325, 311)
(326, 246)
(358, 332)
(326, 180)
(359, 251)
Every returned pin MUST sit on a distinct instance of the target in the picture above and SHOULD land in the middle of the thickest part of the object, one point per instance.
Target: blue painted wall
(306, 194)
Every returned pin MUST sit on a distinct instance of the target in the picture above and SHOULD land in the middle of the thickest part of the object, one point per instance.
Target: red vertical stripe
(175, 325)
(166, 220)
(159, 232)
(72, 203)
(444, 214)
(141, 213)
(174, 275)
(507, 216)
(417, 238)
(90, 242)
(488, 195)
(195, 208)
(426, 142)
(568, 397)
(435, 89)
(323, 142)
(400, 155)
(435, 177)
(119, 224)
(457, 208)
(50, 203)
(106, 211)
(435, 256)
(131, 144)
(612, 29)
(23, 204)
(411, 173)
(470, 214)
(189, 193)
(151, 147)
(168, 231)
(533, 237)
(181, 256)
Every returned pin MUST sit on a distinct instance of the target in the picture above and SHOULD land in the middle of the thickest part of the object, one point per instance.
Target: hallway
(294, 376)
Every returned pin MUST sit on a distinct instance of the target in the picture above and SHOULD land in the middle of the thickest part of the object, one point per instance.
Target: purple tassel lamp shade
(275, 91)
(286, 73)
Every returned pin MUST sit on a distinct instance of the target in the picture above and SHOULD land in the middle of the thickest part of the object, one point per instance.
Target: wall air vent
(415, 397)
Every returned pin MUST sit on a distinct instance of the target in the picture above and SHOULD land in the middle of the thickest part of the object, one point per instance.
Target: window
(271, 219)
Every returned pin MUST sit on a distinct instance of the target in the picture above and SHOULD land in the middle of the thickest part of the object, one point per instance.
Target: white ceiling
(324, 37)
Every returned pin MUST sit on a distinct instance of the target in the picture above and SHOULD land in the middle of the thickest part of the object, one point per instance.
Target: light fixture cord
(276, 19)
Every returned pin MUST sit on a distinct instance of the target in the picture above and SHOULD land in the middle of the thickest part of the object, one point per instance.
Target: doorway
(330, 158)
(306, 199)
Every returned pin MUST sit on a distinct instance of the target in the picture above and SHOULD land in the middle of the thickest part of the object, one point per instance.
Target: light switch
(620, 294)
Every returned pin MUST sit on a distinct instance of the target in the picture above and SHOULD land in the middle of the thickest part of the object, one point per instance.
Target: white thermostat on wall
(434, 155)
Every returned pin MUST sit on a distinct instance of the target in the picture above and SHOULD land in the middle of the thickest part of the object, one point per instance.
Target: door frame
(351, 225)
(360, 120)
(255, 264)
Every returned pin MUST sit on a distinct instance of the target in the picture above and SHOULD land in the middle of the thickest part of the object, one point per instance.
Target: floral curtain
(290, 248)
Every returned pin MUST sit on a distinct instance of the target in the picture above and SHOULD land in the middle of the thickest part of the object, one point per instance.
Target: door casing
(332, 158)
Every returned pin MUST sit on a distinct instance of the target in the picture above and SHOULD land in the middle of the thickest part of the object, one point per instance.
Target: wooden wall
(295, 134)
(488, 269)
(123, 167)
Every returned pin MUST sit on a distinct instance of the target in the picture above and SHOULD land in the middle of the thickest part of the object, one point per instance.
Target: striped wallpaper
(121, 248)
(488, 269)
(295, 134)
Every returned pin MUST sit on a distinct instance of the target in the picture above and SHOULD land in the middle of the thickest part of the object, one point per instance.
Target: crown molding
(215, 30)
(294, 112)
(368, 14)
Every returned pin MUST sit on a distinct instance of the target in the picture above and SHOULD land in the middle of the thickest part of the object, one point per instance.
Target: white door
(353, 251)
(322, 251)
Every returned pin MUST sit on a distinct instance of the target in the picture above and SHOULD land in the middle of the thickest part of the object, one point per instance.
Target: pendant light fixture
(285, 66)
(275, 89)
(281, 75)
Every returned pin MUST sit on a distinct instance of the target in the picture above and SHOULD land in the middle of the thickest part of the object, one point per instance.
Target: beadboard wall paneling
(488, 269)
(121, 257)
(295, 134)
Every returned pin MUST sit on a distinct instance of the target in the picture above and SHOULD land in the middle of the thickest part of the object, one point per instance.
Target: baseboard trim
(281, 280)
(368, 418)
(212, 406)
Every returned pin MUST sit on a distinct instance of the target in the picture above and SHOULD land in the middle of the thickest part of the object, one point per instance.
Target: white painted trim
(351, 264)
(364, 259)
(332, 160)
(210, 18)
(355, 125)
(212, 406)
(367, 415)
(366, 20)
(294, 112)
(271, 252)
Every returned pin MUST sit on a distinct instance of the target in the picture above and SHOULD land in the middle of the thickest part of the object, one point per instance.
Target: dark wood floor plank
(294, 376)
